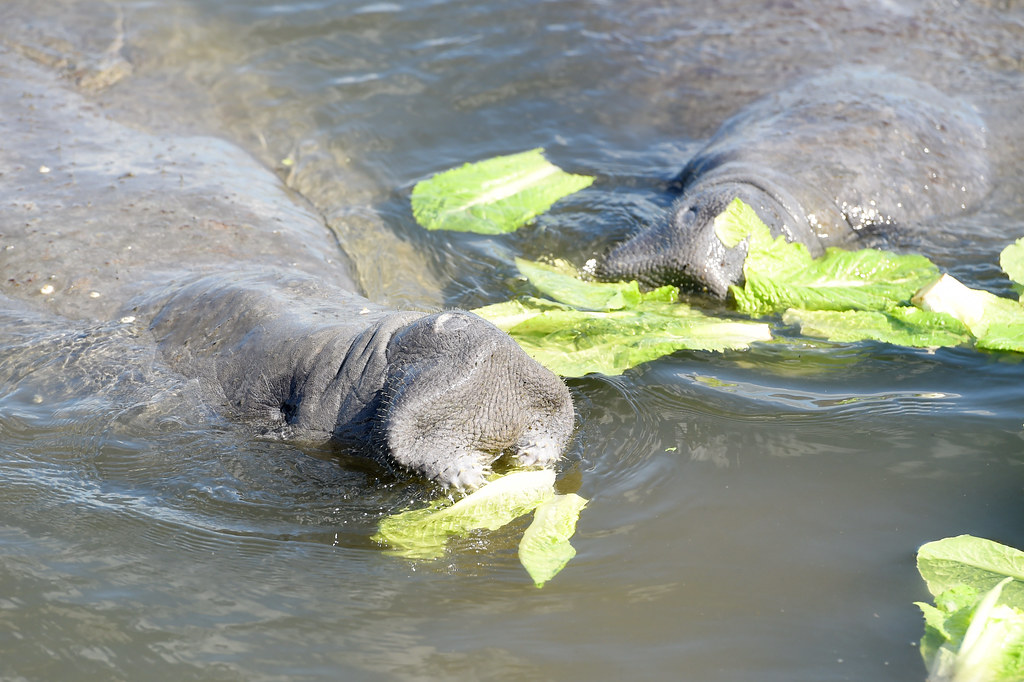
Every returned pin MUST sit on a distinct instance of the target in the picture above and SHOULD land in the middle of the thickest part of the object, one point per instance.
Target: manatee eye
(687, 218)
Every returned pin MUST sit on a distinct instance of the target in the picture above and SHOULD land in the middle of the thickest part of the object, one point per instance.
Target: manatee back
(851, 149)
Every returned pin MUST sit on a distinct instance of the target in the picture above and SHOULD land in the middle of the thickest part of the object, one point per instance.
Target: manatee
(243, 289)
(826, 162)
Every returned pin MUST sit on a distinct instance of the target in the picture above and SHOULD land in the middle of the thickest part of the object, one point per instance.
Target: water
(753, 516)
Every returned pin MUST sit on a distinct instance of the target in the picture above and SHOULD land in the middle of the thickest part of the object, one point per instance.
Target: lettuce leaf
(767, 256)
(780, 275)
(996, 322)
(561, 282)
(607, 328)
(576, 343)
(493, 196)
(867, 279)
(423, 533)
(968, 560)
(544, 549)
(1011, 260)
(902, 325)
(975, 630)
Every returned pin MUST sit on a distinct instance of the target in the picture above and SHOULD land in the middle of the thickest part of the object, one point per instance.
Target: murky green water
(753, 516)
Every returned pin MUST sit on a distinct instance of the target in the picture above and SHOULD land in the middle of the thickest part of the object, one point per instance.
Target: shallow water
(753, 516)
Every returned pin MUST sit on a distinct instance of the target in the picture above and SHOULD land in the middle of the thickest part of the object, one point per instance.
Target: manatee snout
(460, 393)
(682, 250)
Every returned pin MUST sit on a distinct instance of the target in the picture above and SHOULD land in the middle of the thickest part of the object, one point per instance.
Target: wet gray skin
(243, 288)
(824, 162)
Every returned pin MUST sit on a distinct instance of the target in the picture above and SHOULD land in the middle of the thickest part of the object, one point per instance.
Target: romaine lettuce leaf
(1011, 260)
(562, 283)
(902, 325)
(493, 196)
(975, 630)
(767, 256)
(608, 328)
(968, 560)
(544, 549)
(867, 279)
(780, 275)
(996, 322)
(422, 533)
(575, 343)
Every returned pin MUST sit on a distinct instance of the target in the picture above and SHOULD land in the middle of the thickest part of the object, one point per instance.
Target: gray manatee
(824, 162)
(244, 289)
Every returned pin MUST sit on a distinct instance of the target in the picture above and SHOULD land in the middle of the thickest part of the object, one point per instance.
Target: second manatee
(823, 162)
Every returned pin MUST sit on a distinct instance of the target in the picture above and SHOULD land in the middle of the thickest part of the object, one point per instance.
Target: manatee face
(459, 393)
(684, 250)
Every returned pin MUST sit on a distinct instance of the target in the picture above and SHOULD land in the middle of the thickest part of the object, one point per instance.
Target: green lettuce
(423, 533)
(544, 549)
(493, 196)
(847, 296)
(562, 283)
(996, 322)
(1011, 260)
(780, 275)
(975, 630)
(902, 325)
(598, 327)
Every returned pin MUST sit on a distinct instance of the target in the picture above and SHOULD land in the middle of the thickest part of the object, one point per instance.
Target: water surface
(753, 516)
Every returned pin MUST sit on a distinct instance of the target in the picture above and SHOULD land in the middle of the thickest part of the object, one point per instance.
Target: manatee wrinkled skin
(245, 290)
(824, 162)
(442, 394)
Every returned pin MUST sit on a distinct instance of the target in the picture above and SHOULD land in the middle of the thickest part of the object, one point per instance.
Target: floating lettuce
(780, 275)
(493, 196)
(1011, 260)
(996, 322)
(975, 630)
(561, 282)
(607, 328)
(902, 325)
(544, 549)
(422, 533)
(847, 296)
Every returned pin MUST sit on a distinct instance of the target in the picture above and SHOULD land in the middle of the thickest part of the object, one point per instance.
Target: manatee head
(459, 393)
(684, 250)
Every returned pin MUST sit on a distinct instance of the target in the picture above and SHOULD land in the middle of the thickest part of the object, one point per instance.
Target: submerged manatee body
(244, 289)
(822, 163)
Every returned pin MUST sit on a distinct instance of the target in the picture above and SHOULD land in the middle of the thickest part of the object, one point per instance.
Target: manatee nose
(680, 252)
(460, 392)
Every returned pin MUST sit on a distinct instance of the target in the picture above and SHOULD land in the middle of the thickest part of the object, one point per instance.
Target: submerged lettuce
(607, 328)
(493, 196)
(975, 630)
